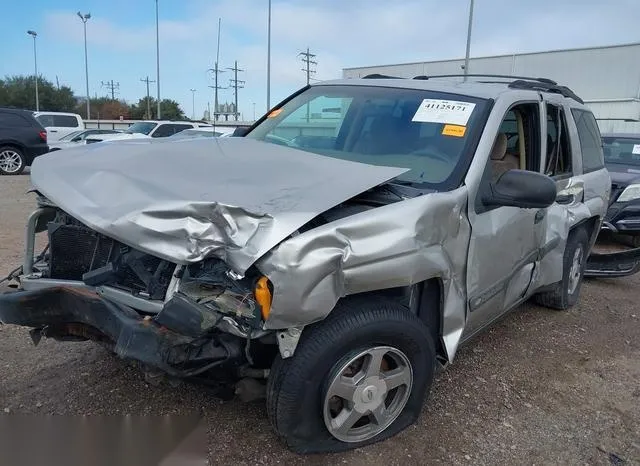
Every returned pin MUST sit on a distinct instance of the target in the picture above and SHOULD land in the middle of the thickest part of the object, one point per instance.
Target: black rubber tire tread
(22, 158)
(559, 297)
(294, 400)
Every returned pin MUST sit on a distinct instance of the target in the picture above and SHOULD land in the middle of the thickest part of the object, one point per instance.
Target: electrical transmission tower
(237, 84)
(216, 71)
(111, 86)
(307, 60)
(147, 81)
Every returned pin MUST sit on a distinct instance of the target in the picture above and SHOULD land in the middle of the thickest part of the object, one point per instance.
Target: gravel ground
(540, 387)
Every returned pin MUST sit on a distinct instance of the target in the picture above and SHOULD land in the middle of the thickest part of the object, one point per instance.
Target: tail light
(43, 136)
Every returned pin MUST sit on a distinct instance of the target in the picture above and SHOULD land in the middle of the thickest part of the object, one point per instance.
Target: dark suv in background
(622, 159)
(22, 139)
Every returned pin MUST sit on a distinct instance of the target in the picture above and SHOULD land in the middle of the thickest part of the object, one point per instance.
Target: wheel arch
(426, 300)
(591, 227)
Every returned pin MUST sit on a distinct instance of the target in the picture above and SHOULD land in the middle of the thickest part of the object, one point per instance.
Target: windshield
(70, 136)
(143, 127)
(425, 131)
(623, 150)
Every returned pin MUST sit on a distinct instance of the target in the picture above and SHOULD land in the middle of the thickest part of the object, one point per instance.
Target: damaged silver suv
(337, 252)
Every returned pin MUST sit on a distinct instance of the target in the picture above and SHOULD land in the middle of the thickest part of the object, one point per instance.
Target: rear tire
(565, 293)
(12, 161)
(305, 392)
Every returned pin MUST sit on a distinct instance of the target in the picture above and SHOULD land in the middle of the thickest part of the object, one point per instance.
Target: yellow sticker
(454, 130)
(275, 113)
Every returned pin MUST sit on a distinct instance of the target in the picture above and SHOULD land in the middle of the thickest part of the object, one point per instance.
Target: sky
(341, 33)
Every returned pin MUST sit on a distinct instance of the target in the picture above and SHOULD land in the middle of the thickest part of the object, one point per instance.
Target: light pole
(34, 34)
(269, 60)
(84, 19)
(193, 104)
(466, 57)
(158, 59)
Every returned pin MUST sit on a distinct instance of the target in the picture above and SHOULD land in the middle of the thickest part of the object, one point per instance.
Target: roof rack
(545, 87)
(380, 76)
(505, 76)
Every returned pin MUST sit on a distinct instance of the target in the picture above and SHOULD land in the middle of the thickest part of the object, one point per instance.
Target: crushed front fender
(76, 313)
(614, 264)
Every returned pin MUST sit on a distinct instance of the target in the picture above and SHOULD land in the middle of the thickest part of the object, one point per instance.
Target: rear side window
(65, 121)
(13, 120)
(590, 140)
(45, 120)
(163, 131)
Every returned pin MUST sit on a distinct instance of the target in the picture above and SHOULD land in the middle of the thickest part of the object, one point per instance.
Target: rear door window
(590, 140)
(163, 130)
(13, 120)
(65, 121)
(45, 120)
(558, 147)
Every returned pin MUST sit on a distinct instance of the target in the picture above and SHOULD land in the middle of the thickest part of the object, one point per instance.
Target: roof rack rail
(505, 76)
(380, 76)
(545, 87)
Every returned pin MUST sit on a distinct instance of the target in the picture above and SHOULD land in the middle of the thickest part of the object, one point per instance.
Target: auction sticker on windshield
(444, 111)
(636, 149)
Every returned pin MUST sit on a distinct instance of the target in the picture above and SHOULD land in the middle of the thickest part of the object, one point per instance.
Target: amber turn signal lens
(263, 296)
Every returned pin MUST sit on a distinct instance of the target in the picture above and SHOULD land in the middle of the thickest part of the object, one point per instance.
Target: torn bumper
(623, 218)
(68, 313)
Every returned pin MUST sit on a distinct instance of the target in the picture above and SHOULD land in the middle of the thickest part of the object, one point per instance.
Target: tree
(20, 92)
(104, 108)
(170, 109)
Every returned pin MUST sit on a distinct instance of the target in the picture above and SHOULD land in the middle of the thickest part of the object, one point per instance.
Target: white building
(606, 78)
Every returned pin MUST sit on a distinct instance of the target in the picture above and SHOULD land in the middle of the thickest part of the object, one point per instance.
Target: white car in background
(79, 137)
(211, 132)
(153, 129)
(59, 124)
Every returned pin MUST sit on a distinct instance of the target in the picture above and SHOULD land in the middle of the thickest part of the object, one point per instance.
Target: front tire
(358, 377)
(12, 161)
(565, 294)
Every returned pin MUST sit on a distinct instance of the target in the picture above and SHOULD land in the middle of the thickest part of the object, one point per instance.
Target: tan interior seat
(500, 160)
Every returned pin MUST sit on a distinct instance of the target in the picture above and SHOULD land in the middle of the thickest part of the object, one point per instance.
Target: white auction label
(636, 149)
(444, 111)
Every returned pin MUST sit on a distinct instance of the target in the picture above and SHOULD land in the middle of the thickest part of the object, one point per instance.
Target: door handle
(53, 130)
(565, 198)
(539, 216)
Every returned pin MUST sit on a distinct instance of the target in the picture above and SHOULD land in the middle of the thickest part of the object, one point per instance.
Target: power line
(147, 81)
(307, 60)
(237, 84)
(112, 87)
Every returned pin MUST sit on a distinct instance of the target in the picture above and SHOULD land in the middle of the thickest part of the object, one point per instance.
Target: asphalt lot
(540, 387)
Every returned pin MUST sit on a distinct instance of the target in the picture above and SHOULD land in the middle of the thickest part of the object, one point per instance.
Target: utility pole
(34, 34)
(84, 18)
(466, 56)
(158, 58)
(147, 81)
(269, 59)
(236, 85)
(216, 71)
(307, 60)
(193, 104)
(112, 87)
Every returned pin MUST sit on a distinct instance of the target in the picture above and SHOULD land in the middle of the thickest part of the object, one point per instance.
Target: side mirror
(521, 188)
(239, 132)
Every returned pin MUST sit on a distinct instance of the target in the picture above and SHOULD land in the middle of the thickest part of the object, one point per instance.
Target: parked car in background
(59, 124)
(217, 132)
(79, 137)
(150, 129)
(22, 138)
(622, 159)
(342, 262)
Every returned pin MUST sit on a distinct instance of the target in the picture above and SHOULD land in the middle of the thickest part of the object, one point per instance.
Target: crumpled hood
(186, 200)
